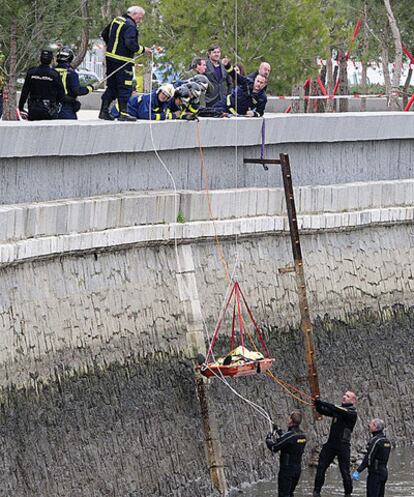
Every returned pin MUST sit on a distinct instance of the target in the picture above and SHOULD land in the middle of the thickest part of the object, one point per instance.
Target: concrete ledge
(29, 231)
(106, 212)
(84, 138)
(35, 248)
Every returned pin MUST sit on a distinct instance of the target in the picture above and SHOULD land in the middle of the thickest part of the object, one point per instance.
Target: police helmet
(168, 89)
(182, 92)
(65, 54)
(202, 81)
(46, 57)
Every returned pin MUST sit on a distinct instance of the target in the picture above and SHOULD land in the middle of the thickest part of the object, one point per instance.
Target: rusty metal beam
(306, 324)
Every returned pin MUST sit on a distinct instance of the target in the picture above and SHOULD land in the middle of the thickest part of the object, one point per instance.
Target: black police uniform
(291, 446)
(338, 443)
(44, 89)
(73, 89)
(121, 38)
(376, 459)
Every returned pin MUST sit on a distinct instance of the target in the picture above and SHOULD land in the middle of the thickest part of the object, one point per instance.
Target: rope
(260, 410)
(204, 175)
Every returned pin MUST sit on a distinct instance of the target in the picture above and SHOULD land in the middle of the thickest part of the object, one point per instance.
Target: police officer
(44, 89)
(121, 38)
(376, 459)
(291, 446)
(339, 440)
(71, 85)
(248, 98)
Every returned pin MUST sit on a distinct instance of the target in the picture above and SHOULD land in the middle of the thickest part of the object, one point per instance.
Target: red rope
(255, 325)
(236, 285)
(232, 327)
(213, 341)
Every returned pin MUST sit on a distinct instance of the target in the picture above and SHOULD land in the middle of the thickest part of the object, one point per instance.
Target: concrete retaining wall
(104, 296)
(49, 161)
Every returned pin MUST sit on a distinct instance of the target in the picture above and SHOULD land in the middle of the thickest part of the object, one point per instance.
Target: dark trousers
(376, 483)
(119, 85)
(287, 480)
(67, 112)
(326, 457)
(1, 104)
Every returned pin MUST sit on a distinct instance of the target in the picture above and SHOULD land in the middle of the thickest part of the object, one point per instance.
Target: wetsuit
(338, 443)
(376, 459)
(291, 446)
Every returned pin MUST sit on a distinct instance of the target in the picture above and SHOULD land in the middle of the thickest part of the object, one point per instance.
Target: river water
(400, 480)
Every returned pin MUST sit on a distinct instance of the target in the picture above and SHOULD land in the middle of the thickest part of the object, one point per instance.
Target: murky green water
(400, 481)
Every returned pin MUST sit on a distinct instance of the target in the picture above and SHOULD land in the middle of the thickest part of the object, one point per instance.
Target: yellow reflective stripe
(64, 76)
(192, 109)
(228, 102)
(128, 82)
(229, 69)
(139, 98)
(120, 21)
(158, 117)
(140, 51)
(119, 57)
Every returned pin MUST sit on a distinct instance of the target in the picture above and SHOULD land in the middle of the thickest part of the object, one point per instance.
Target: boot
(104, 112)
(123, 113)
(316, 494)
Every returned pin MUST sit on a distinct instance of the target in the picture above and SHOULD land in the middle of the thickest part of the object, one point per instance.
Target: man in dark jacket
(248, 98)
(339, 441)
(122, 47)
(291, 446)
(221, 82)
(376, 459)
(44, 89)
(71, 84)
(264, 70)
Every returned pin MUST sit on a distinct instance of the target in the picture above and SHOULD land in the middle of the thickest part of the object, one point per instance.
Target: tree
(288, 34)
(29, 26)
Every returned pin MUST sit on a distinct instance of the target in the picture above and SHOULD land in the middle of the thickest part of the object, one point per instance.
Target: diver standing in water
(338, 444)
(291, 446)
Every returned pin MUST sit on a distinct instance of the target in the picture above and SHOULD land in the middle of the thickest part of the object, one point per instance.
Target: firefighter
(177, 105)
(248, 98)
(291, 446)
(44, 89)
(338, 444)
(376, 459)
(122, 47)
(70, 80)
(152, 106)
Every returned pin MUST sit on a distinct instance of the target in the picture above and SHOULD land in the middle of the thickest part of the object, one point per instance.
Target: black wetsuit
(338, 443)
(376, 459)
(291, 445)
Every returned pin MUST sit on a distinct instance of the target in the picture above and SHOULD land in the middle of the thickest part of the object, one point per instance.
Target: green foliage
(286, 33)
(290, 34)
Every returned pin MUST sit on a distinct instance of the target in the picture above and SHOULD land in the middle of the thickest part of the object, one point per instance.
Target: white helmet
(168, 89)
